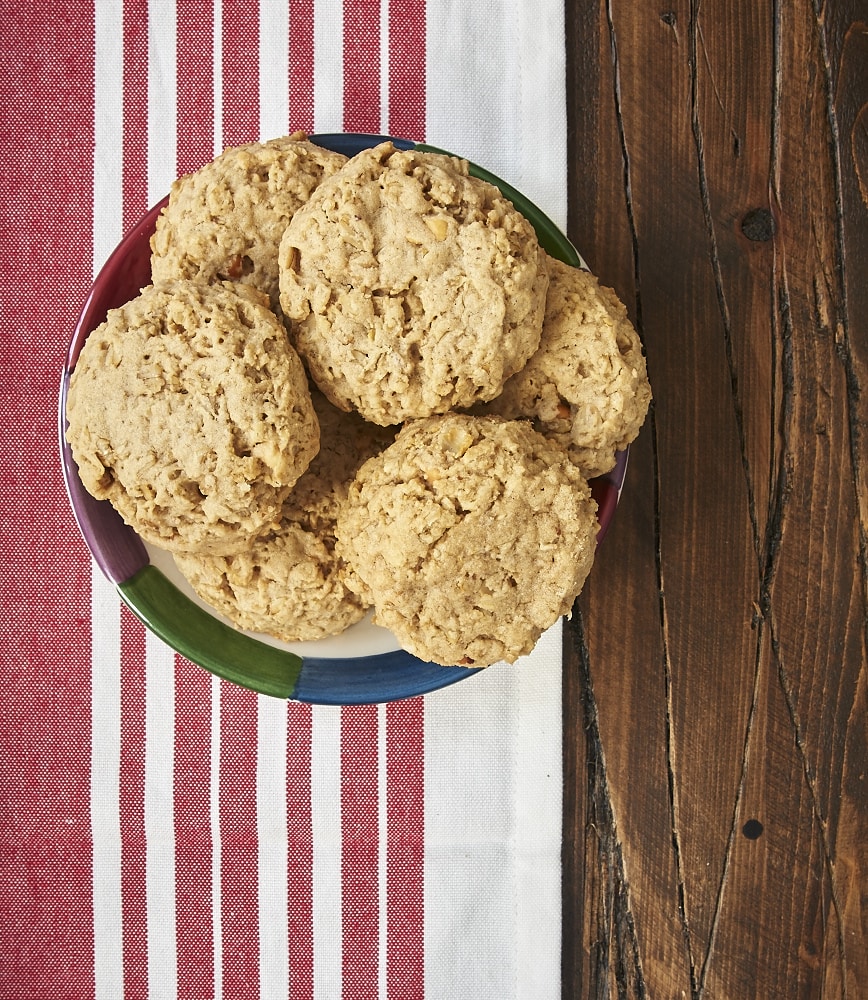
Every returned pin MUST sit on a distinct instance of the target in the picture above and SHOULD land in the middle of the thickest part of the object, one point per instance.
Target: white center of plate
(362, 639)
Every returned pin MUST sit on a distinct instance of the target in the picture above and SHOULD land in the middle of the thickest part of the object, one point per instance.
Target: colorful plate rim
(184, 625)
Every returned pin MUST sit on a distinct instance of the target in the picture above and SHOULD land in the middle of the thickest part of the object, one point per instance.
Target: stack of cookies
(361, 383)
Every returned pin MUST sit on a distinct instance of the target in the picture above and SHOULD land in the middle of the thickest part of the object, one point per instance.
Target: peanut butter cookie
(472, 534)
(289, 583)
(225, 221)
(189, 410)
(412, 287)
(586, 386)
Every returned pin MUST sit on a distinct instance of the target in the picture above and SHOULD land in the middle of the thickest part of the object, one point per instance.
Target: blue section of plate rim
(390, 676)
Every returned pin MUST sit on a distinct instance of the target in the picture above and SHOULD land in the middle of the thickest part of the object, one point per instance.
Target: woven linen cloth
(165, 833)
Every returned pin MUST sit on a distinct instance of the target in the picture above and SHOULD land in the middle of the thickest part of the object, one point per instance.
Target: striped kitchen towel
(164, 833)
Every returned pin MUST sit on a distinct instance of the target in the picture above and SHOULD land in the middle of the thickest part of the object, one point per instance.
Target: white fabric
(492, 755)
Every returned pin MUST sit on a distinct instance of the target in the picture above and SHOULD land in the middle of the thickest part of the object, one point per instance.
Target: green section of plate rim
(206, 641)
(550, 235)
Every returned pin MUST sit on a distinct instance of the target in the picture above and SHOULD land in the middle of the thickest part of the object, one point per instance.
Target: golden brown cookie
(289, 583)
(413, 288)
(586, 386)
(189, 410)
(473, 535)
(225, 221)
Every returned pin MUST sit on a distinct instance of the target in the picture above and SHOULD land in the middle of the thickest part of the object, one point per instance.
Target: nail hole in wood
(752, 829)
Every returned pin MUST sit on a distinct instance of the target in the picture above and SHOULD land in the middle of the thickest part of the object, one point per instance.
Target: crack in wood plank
(610, 850)
(842, 327)
(842, 349)
(736, 140)
(615, 923)
(822, 823)
(694, 34)
(780, 495)
(625, 160)
(617, 915)
(772, 547)
(671, 784)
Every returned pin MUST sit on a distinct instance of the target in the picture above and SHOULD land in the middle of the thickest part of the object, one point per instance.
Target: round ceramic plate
(362, 665)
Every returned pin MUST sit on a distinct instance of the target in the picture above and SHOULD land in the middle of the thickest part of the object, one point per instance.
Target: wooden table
(716, 814)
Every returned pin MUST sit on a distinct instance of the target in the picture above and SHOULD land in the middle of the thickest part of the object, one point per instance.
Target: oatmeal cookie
(473, 534)
(189, 410)
(586, 386)
(413, 288)
(289, 583)
(225, 221)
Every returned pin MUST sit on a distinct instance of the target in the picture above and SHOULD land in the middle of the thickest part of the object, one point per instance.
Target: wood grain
(716, 744)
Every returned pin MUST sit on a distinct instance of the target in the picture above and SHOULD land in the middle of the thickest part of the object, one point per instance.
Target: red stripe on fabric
(239, 881)
(133, 875)
(407, 105)
(240, 72)
(46, 186)
(405, 849)
(360, 844)
(135, 105)
(405, 732)
(301, 65)
(362, 65)
(193, 841)
(299, 851)
(194, 848)
(134, 910)
(195, 94)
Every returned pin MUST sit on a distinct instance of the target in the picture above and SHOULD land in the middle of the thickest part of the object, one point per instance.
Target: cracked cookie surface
(225, 220)
(472, 534)
(189, 411)
(412, 287)
(290, 583)
(586, 386)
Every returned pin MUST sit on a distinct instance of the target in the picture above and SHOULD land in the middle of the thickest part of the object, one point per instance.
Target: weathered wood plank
(716, 808)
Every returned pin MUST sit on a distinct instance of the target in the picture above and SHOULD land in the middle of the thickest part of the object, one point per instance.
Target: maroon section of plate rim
(606, 491)
(116, 548)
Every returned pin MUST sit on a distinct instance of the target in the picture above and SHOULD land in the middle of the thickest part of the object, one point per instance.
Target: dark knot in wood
(758, 225)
